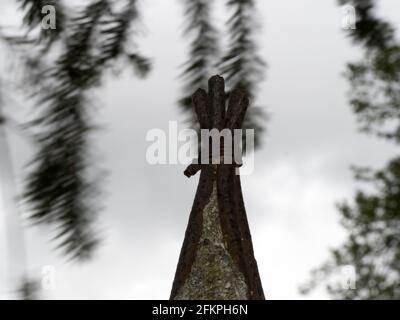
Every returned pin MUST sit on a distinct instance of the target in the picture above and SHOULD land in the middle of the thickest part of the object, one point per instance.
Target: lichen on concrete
(214, 274)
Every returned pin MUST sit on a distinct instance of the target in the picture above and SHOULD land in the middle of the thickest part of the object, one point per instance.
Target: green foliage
(203, 50)
(61, 188)
(371, 31)
(373, 243)
(240, 65)
(375, 81)
(33, 18)
(373, 220)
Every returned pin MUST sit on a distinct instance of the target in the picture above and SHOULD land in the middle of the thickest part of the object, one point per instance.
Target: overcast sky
(301, 171)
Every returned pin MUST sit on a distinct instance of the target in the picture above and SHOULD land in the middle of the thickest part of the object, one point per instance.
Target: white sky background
(300, 173)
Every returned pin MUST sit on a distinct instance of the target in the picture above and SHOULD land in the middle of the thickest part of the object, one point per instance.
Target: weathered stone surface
(214, 275)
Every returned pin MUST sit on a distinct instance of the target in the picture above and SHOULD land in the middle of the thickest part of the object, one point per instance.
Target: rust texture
(211, 113)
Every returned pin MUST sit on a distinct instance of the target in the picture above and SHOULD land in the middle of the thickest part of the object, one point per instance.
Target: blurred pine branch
(372, 220)
(62, 187)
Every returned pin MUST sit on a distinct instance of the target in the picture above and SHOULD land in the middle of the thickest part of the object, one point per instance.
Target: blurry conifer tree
(373, 220)
(72, 59)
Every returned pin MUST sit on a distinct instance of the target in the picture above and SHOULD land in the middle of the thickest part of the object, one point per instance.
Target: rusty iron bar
(211, 113)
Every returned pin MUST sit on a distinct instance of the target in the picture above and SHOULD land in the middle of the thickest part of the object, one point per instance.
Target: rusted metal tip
(191, 170)
(199, 93)
(217, 77)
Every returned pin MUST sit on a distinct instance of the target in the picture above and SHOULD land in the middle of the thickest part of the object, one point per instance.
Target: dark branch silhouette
(203, 51)
(61, 188)
(241, 65)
